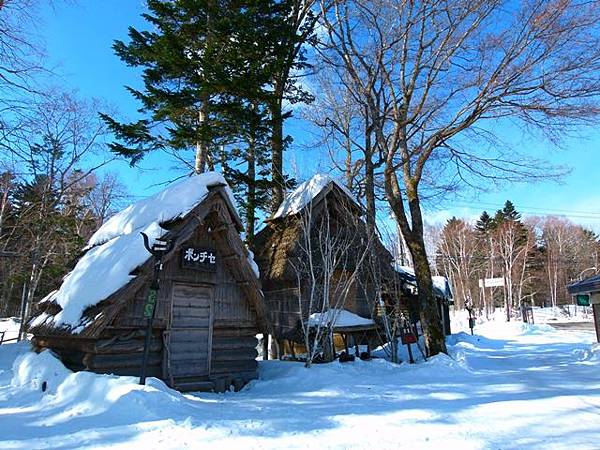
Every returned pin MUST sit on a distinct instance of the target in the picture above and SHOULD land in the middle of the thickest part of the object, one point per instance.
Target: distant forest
(537, 257)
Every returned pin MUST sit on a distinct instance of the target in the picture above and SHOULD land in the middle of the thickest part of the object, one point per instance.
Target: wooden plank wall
(189, 334)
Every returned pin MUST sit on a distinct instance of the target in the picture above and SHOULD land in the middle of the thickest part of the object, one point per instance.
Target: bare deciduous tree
(458, 249)
(332, 256)
(56, 148)
(451, 72)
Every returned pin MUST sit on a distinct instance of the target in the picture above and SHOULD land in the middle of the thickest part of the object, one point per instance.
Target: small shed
(319, 207)
(441, 291)
(209, 307)
(588, 291)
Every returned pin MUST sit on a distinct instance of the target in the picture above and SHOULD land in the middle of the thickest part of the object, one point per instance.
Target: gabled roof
(588, 285)
(312, 191)
(276, 245)
(116, 257)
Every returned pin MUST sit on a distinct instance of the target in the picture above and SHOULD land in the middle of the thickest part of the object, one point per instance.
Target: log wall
(228, 328)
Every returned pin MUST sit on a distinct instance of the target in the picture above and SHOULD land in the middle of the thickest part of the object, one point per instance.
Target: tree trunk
(277, 153)
(201, 145)
(431, 322)
(251, 192)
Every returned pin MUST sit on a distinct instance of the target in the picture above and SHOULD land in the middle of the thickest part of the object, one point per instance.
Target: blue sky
(79, 36)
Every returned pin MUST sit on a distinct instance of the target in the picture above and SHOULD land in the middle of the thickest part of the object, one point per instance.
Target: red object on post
(409, 338)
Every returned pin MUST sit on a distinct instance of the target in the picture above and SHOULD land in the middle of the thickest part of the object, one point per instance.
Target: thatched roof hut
(209, 306)
(281, 253)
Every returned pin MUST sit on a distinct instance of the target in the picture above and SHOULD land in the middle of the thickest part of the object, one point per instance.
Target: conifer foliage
(215, 74)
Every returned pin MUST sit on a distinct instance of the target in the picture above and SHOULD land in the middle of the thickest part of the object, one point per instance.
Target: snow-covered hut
(441, 290)
(280, 251)
(588, 291)
(209, 306)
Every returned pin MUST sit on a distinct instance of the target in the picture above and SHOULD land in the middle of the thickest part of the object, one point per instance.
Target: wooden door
(190, 334)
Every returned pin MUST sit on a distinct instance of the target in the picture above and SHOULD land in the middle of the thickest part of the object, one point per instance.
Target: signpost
(158, 250)
(491, 282)
(583, 299)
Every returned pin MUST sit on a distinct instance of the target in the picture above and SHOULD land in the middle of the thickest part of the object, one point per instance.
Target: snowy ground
(513, 386)
(10, 327)
(568, 313)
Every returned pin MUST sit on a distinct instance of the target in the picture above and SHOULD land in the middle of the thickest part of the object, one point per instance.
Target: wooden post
(596, 310)
(265, 346)
(328, 351)
(158, 250)
(23, 311)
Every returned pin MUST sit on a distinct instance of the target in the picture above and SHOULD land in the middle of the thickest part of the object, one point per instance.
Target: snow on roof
(440, 283)
(175, 201)
(117, 248)
(252, 263)
(296, 200)
(404, 269)
(339, 318)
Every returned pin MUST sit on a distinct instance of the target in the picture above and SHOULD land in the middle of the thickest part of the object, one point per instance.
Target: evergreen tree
(509, 212)
(212, 73)
(485, 223)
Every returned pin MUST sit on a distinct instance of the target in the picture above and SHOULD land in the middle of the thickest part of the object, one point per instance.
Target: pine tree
(509, 212)
(215, 75)
(485, 223)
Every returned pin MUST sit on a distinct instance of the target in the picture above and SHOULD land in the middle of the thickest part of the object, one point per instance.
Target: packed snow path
(518, 387)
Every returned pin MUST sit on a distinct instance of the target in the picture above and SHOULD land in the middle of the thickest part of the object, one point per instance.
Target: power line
(521, 207)
(569, 214)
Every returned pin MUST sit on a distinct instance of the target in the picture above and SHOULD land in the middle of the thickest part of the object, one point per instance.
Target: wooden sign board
(491, 282)
(199, 259)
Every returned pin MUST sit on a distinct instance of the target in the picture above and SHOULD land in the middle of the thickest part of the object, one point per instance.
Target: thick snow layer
(175, 201)
(511, 386)
(459, 319)
(117, 248)
(296, 200)
(339, 318)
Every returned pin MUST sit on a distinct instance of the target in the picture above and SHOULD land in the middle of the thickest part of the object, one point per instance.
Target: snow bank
(10, 327)
(338, 318)
(117, 248)
(593, 354)
(507, 389)
(31, 370)
(296, 200)
(79, 393)
(474, 341)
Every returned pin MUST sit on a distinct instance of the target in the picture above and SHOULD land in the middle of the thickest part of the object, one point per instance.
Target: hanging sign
(583, 300)
(199, 259)
(491, 282)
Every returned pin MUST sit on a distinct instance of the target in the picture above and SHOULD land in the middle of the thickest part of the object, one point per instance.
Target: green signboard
(583, 300)
(150, 304)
